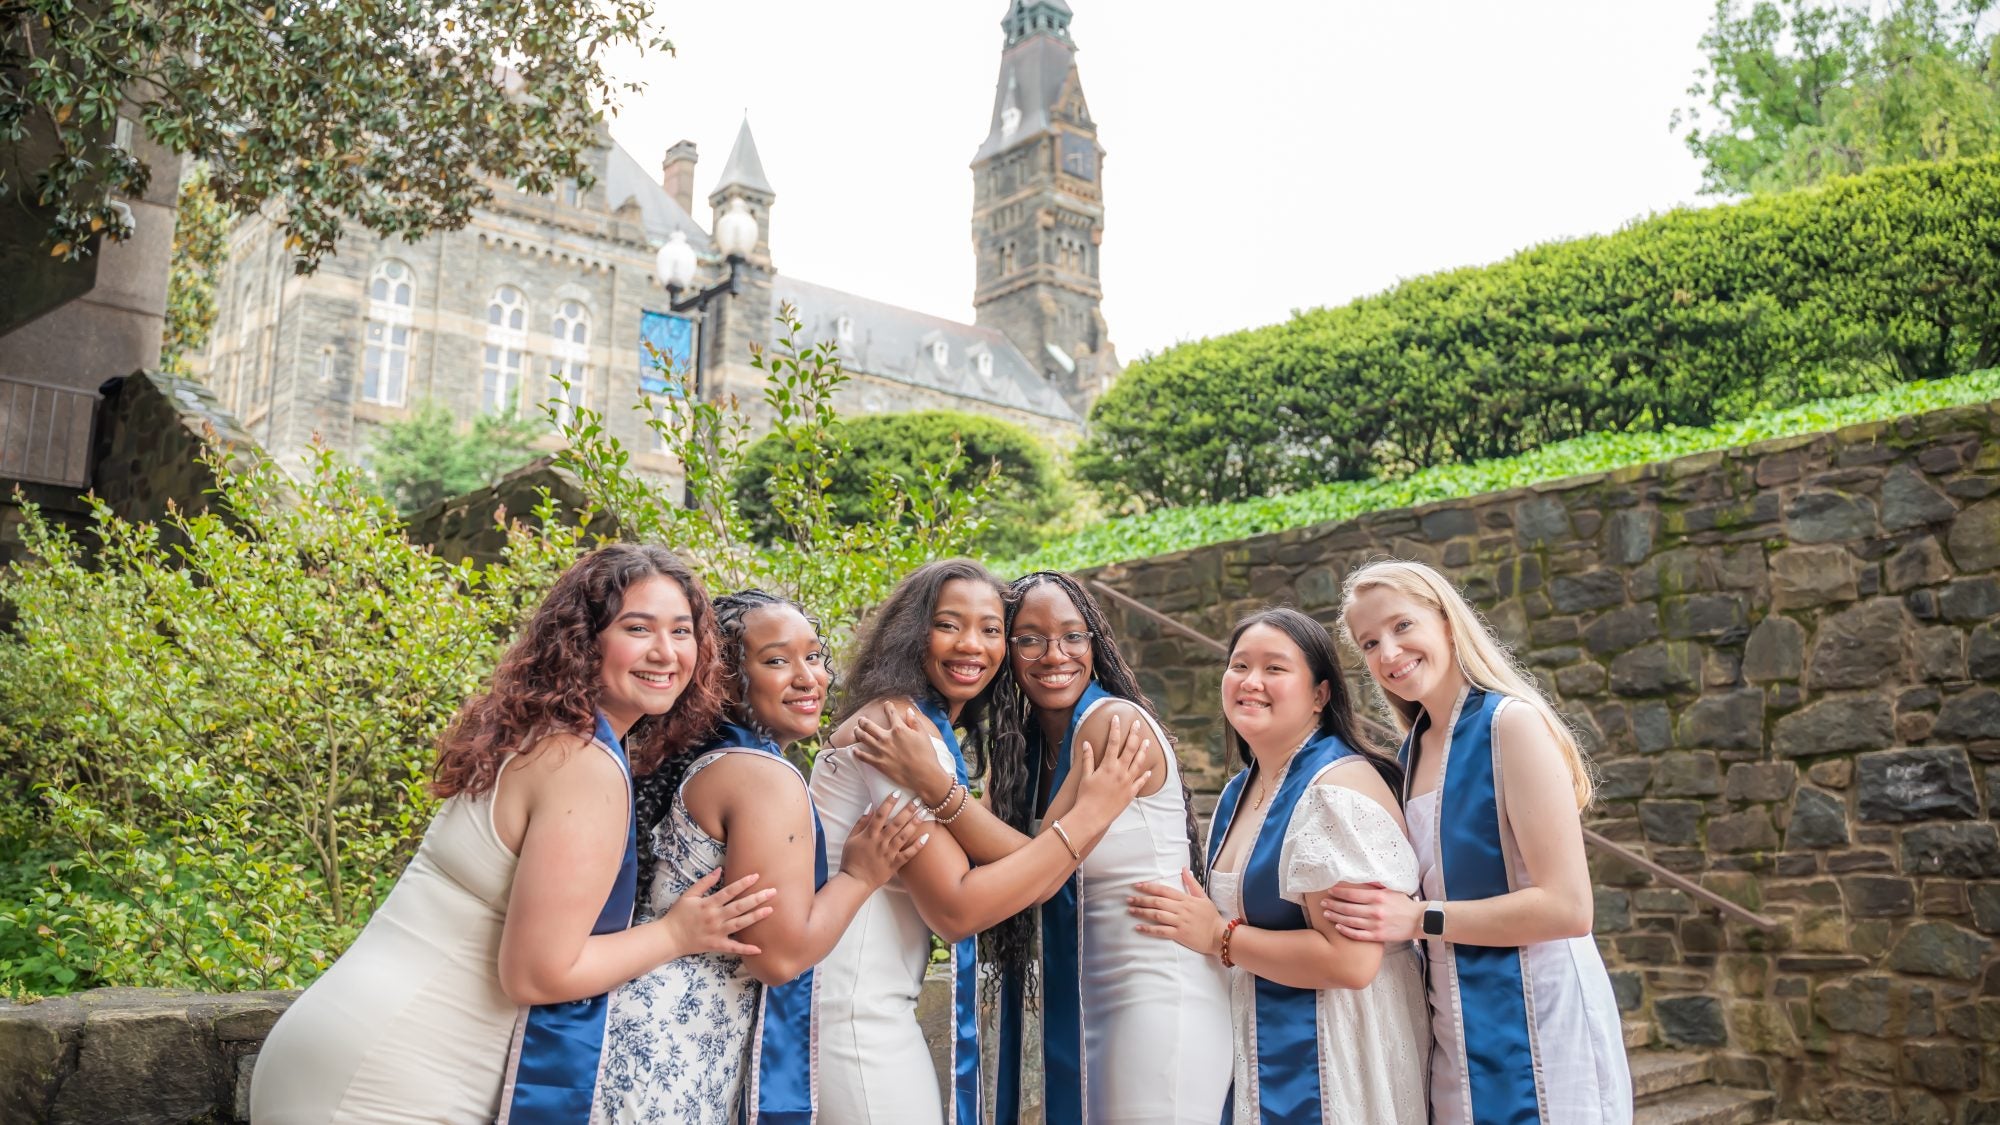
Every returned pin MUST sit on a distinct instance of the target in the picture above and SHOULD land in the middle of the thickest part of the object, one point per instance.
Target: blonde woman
(1495, 788)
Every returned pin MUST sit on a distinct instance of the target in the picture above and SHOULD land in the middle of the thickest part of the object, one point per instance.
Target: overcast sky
(1261, 156)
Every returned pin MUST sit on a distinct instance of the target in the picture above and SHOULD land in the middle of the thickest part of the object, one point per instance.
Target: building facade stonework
(539, 292)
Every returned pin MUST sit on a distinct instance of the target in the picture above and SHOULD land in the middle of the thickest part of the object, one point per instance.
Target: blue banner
(666, 351)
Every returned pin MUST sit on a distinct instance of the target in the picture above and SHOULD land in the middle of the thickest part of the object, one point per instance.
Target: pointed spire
(744, 169)
(1031, 17)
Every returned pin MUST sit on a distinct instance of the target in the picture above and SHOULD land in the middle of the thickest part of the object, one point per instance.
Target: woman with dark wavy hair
(478, 989)
(719, 1038)
(1328, 1028)
(928, 663)
(1131, 1031)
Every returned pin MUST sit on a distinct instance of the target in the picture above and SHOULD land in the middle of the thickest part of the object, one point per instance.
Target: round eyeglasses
(1031, 646)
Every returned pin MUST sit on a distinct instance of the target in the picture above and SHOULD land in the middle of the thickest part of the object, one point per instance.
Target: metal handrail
(1384, 735)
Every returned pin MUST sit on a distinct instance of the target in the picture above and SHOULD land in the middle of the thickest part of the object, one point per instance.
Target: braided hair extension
(653, 794)
(1012, 780)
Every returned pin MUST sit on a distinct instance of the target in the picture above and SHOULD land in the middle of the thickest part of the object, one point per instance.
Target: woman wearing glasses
(1134, 1030)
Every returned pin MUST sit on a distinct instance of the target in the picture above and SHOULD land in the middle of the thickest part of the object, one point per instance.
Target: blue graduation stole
(781, 1089)
(964, 1102)
(1062, 976)
(1287, 1018)
(1491, 980)
(553, 1078)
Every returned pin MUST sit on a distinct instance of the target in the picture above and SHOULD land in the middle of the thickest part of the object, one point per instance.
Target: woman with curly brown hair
(478, 988)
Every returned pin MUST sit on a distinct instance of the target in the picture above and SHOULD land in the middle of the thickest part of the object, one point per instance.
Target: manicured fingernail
(923, 839)
(896, 795)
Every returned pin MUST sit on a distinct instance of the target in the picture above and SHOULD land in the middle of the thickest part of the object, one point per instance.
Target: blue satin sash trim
(1287, 1032)
(782, 1086)
(965, 1092)
(1061, 917)
(1491, 982)
(555, 1077)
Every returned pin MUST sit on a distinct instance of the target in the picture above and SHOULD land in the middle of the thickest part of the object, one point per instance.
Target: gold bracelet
(1073, 853)
(964, 799)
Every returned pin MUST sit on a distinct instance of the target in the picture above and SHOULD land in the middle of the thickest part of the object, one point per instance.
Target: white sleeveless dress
(874, 1065)
(1373, 1041)
(1585, 1079)
(410, 1024)
(677, 1038)
(1155, 1013)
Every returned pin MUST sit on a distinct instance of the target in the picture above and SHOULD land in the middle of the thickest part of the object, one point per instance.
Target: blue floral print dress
(679, 1036)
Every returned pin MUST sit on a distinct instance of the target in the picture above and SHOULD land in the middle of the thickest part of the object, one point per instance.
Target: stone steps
(1677, 1088)
(1707, 1105)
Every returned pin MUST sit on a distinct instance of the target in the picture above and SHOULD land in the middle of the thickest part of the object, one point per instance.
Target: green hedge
(1178, 529)
(1681, 319)
(1028, 492)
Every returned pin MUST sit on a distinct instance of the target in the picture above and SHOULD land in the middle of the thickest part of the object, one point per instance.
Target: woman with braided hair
(1133, 1030)
(695, 1039)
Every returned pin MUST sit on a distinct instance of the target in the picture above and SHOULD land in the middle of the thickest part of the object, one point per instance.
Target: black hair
(889, 664)
(1012, 782)
(1336, 717)
(653, 794)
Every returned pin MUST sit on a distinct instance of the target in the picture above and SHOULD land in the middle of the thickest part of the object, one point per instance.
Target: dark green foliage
(395, 116)
(1798, 91)
(1681, 319)
(1027, 489)
(425, 458)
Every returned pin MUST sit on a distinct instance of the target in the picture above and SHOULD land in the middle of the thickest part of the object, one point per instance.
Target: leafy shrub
(229, 739)
(1679, 320)
(1027, 490)
(424, 458)
(803, 541)
(1179, 529)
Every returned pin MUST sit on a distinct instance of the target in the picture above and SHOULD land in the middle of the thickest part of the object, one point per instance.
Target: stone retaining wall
(1785, 659)
(151, 1056)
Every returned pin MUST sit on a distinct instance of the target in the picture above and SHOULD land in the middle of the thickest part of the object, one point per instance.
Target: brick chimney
(677, 174)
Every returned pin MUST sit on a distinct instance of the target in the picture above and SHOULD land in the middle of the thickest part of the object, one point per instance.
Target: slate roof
(625, 178)
(895, 343)
(1032, 73)
(744, 169)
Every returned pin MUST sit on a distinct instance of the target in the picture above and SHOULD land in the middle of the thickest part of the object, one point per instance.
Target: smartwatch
(1433, 919)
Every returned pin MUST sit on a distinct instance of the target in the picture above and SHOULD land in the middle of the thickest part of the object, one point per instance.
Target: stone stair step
(1708, 1105)
(1638, 1033)
(1656, 1073)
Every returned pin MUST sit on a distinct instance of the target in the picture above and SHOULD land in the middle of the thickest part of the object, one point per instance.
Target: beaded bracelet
(964, 799)
(942, 801)
(1228, 932)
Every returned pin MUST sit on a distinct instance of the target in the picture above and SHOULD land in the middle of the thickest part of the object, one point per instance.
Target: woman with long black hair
(1328, 1028)
(934, 650)
(1133, 1031)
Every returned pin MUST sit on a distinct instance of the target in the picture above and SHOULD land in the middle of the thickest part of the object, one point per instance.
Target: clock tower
(1038, 208)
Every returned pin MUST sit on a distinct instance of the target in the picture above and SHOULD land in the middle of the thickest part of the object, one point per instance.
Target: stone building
(537, 291)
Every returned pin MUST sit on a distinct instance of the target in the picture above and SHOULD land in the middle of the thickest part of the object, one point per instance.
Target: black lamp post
(735, 237)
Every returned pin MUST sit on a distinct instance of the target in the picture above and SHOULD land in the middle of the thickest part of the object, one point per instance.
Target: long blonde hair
(1482, 659)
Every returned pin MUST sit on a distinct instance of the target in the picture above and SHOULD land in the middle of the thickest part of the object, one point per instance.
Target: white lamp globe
(736, 230)
(675, 262)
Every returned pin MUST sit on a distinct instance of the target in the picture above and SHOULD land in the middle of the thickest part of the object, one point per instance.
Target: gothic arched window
(506, 350)
(569, 366)
(385, 357)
